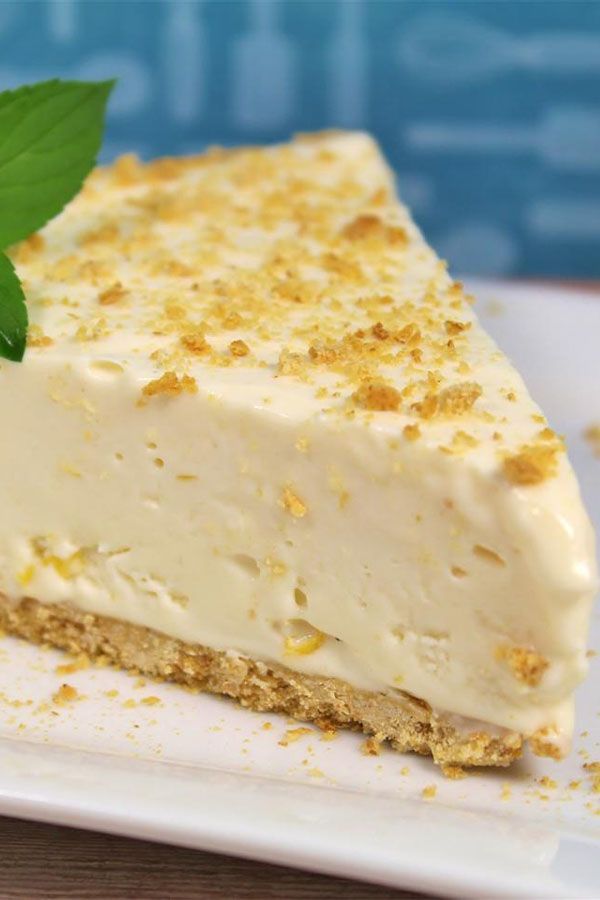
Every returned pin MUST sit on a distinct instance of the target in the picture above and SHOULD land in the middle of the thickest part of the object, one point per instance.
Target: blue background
(489, 111)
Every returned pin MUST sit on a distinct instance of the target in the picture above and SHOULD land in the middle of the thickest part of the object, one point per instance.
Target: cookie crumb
(66, 694)
(454, 771)
(171, 385)
(82, 661)
(292, 735)
(371, 746)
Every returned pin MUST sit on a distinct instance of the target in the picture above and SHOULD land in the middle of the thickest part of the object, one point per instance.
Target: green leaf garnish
(50, 134)
(13, 312)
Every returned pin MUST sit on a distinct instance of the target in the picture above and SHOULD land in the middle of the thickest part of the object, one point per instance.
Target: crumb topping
(295, 263)
(37, 338)
(239, 348)
(533, 464)
(411, 432)
(528, 666)
(28, 248)
(113, 294)
(376, 395)
(452, 401)
(170, 385)
(369, 227)
(195, 341)
(544, 743)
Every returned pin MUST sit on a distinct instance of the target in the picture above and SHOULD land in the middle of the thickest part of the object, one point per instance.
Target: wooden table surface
(47, 861)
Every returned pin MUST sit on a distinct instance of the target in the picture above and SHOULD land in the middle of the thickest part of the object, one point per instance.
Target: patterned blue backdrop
(489, 111)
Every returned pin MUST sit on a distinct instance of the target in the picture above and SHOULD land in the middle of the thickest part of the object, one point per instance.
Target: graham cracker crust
(406, 722)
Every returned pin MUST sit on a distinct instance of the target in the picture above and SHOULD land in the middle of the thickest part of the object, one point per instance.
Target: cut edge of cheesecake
(406, 722)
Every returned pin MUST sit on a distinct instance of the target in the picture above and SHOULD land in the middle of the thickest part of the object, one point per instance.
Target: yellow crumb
(377, 396)
(292, 735)
(547, 782)
(25, 575)
(291, 363)
(454, 771)
(65, 694)
(541, 743)
(411, 432)
(195, 341)
(92, 330)
(239, 348)
(533, 464)
(368, 227)
(451, 401)
(290, 501)
(371, 747)
(453, 328)
(80, 662)
(429, 792)
(37, 338)
(170, 385)
(527, 665)
(462, 442)
(113, 294)
(29, 248)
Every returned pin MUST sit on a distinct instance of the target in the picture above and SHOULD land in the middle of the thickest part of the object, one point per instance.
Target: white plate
(197, 771)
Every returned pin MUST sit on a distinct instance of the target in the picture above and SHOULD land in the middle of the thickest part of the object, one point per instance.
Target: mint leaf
(13, 312)
(50, 134)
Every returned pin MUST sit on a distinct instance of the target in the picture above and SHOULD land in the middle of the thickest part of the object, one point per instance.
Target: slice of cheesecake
(259, 444)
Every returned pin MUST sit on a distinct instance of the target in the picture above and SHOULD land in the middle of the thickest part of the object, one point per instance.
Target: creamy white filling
(171, 515)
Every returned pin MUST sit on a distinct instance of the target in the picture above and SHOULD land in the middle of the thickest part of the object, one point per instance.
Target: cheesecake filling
(219, 520)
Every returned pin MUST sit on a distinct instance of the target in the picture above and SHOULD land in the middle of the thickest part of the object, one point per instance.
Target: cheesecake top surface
(289, 276)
